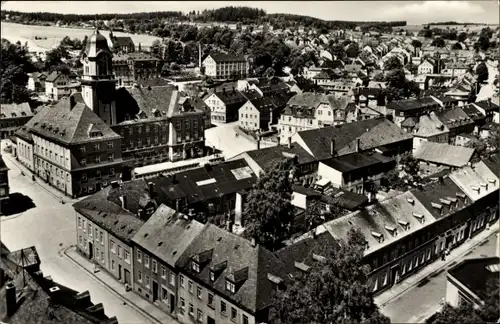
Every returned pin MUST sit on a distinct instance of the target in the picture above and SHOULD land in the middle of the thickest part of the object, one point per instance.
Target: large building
(132, 67)
(12, 117)
(4, 183)
(225, 66)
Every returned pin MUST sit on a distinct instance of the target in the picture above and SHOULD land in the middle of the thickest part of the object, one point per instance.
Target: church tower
(98, 81)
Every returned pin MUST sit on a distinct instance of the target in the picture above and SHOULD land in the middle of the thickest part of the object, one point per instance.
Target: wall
(249, 117)
(299, 200)
(334, 176)
(217, 107)
(25, 153)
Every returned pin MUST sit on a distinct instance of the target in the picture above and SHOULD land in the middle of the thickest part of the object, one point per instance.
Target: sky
(414, 12)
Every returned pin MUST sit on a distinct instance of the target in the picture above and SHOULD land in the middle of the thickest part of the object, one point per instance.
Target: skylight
(205, 182)
(242, 173)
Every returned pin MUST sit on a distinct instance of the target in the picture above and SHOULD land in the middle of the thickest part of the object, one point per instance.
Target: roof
(70, 125)
(454, 117)
(478, 282)
(410, 104)
(263, 103)
(487, 105)
(313, 100)
(233, 257)
(110, 215)
(96, 44)
(208, 182)
(265, 157)
(3, 166)
(220, 57)
(15, 110)
(445, 154)
(429, 125)
(53, 76)
(409, 122)
(356, 161)
(476, 182)
(167, 234)
(493, 163)
(398, 213)
(122, 41)
(344, 198)
(372, 133)
(434, 193)
(473, 112)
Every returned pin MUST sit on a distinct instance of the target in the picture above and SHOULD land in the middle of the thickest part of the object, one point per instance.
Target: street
(223, 137)
(418, 303)
(50, 227)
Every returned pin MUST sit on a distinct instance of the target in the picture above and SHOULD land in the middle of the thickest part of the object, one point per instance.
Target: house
(107, 221)
(476, 116)
(158, 245)
(226, 278)
(311, 72)
(58, 85)
(455, 69)
(225, 66)
(12, 117)
(487, 108)
(225, 105)
(426, 67)
(4, 183)
(427, 128)
(462, 288)
(444, 154)
(36, 81)
(123, 44)
(374, 134)
(350, 172)
(132, 67)
(369, 97)
(309, 111)
(403, 109)
(457, 122)
(257, 114)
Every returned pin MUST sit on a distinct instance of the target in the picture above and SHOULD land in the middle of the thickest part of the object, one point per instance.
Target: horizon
(478, 12)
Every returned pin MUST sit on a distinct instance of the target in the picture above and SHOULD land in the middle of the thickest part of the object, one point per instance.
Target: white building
(225, 66)
(426, 67)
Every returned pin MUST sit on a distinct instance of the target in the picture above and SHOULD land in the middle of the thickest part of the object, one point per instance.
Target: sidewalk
(39, 181)
(389, 295)
(153, 313)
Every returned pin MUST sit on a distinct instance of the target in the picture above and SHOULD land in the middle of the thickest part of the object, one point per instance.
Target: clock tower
(98, 81)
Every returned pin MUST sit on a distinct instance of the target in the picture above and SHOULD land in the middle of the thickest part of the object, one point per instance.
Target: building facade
(12, 117)
(224, 66)
(132, 67)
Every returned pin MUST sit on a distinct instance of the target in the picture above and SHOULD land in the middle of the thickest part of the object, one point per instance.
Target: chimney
(123, 199)
(289, 142)
(224, 91)
(253, 241)
(358, 142)
(151, 188)
(332, 147)
(199, 55)
(234, 90)
(258, 144)
(489, 102)
(279, 140)
(10, 298)
(174, 178)
(72, 102)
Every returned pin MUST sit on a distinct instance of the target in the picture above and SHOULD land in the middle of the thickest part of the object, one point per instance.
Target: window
(164, 294)
(155, 266)
(245, 319)
(97, 159)
(139, 276)
(191, 309)
(101, 237)
(163, 272)
(110, 144)
(82, 149)
(139, 256)
(90, 230)
(147, 281)
(210, 302)
(112, 172)
(111, 157)
(113, 246)
(127, 257)
(113, 264)
(190, 286)
(385, 279)
(198, 292)
(96, 147)
(199, 316)
(183, 303)
(223, 307)
(83, 162)
(212, 276)
(102, 256)
(195, 266)
(96, 234)
(172, 278)
(120, 252)
(234, 313)
(181, 281)
(146, 261)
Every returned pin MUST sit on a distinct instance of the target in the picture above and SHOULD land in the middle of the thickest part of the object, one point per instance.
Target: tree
(14, 66)
(482, 72)
(456, 46)
(392, 63)
(416, 43)
(484, 42)
(462, 37)
(155, 48)
(54, 58)
(268, 212)
(352, 50)
(335, 290)
(464, 314)
(438, 42)
(410, 165)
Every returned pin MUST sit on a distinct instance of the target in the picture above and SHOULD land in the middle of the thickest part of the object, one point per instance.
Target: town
(248, 168)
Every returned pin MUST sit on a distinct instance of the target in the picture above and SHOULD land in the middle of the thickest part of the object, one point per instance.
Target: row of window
(154, 267)
(48, 154)
(119, 251)
(251, 116)
(96, 147)
(52, 169)
(97, 159)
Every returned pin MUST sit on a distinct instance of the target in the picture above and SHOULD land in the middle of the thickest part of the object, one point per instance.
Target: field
(417, 28)
(26, 33)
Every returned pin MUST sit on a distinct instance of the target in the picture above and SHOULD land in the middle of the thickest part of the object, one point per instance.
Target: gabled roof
(356, 161)
(167, 233)
(493, 163)
(372, 133)
(122, 41)
(235, 258)
(476, 182)
(410, 104)
(15, 110)
(313, 100)
(220, 58)
(263, 104)
(265, 157)
(454, 117)
(487, 105)
(473, 112)
(69, 125)
(53, 76)
(429, 125)
(444, 154)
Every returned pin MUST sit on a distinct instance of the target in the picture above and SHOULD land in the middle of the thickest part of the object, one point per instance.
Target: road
(50, 227)
(223, 137)
(418, 303)
(487, 90)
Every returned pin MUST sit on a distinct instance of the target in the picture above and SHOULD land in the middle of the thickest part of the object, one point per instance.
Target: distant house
(12, 117)
(58, 85)
(225, 105)
(123, 44)
(129, 68)
(426, 67)
(427, 128)
(257, 114)
(443, 154)
(36, 81)
(457, 122)
(225, 66)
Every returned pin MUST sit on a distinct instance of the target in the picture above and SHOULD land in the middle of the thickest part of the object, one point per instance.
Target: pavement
(223, 137)
(418, 297)
(50, 227)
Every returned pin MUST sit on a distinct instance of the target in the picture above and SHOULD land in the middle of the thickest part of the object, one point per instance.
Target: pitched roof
(356, 161)
(313, 100)
(122, 41)
(454, 117)
(429, 125)
(493, 162)
(480, 267)
(232, 256)
(473, 112)
(53, 76)
(412, 103)
(445, 154)
(3, 166)
(220, 57)
(15, 110)
(265, 157)
(263, 104)
(372, 133)
(476, 182)
(167, 233)
(487, 105)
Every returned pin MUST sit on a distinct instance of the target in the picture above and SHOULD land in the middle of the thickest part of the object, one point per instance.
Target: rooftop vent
(418, 216)
(444, 201)
(493, 181)
(404, 223)
(410, 200)
(318, 257)
(436, 205)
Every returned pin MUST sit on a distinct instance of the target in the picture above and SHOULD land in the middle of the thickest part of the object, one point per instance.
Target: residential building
(428, 128)
(487, 108)
(107, 221)
(122, 44)
(12, 117)
(426, 67)
(403, 109)
(377, 134)
(444, 154)
(73, 149)
(257, 114)
(310, 111)
(464, 288)
(455, 69)
(351, 172)
(369, 97)
(24, 145)
(159, 124)
(58, 85)
(457, 122)
(131, 67)
(225, 66)
(225, 105)
(219, 281)
(4, 183)
(310, 73)
(476, 116)
(158, 245)
(36, 81)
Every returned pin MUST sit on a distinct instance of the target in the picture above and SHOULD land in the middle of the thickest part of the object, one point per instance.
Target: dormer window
(476, 188)
(437, 206)
(445, 202)
(378, 236)
(318, 257)
(410, 200)
(195, 266)
(492, 181)
(392, 230)
(485, 186)
(420, 217)
(405, 224)
(230, 286)
(302, 266)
